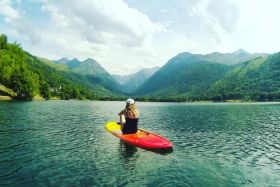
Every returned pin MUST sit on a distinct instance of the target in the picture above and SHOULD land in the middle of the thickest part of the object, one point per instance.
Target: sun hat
(130, 101)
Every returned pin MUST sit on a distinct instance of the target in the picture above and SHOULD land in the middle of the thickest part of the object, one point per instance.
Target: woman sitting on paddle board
(129, 118)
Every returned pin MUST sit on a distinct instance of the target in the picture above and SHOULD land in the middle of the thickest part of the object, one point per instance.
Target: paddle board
(142, 138)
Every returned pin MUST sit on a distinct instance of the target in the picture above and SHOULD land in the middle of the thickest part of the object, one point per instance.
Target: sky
(125, 36)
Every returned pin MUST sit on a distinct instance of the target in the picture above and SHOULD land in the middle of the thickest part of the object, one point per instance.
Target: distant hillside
(92, 70)
(231, 58)
(86, 67)
(28, 76)
(130, 83)
(211, 77)
(62, 61)
(178, 79)
(257, 79)
(122, 79)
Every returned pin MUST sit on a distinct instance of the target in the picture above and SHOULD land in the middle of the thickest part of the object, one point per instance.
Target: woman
(129, 118)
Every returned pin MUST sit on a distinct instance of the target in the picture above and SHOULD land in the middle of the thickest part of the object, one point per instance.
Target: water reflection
(128, 155)
(127, 150)
(161, 151)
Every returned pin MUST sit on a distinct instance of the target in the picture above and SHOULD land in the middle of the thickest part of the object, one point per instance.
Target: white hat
(130, 101)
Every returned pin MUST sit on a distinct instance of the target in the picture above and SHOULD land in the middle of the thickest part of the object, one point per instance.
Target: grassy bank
(6, 94)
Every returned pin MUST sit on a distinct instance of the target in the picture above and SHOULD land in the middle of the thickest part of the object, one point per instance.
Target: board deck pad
(142, 138)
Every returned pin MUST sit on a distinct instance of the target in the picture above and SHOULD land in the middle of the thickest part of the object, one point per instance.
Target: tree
(25, 84)
(3, 41)
(45, 90)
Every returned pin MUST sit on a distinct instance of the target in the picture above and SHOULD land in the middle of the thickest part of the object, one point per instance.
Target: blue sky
(127, 35)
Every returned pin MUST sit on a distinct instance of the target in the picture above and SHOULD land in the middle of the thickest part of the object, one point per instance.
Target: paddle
(144, 131)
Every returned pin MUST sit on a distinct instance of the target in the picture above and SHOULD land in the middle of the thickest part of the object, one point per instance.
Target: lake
(64, 143)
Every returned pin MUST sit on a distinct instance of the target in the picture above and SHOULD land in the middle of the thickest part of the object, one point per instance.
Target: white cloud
(108, 22)
(15, 20)
(204, 26)
(127, 36)
(258, 30)
(226, 13)
(109, 31)
(8, 11)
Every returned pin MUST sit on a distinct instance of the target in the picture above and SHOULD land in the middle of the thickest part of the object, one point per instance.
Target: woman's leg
(122, 121)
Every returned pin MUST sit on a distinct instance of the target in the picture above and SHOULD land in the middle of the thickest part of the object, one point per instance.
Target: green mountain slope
(231, 58)
(28, 76)
(92, 70)
(190, 80)
(210, 77)
(181, 74)
(257, 79)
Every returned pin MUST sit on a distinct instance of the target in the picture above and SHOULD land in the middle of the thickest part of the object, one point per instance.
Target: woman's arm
(122, 112)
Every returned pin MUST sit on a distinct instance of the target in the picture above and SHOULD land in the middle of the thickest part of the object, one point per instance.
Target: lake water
(64, 143)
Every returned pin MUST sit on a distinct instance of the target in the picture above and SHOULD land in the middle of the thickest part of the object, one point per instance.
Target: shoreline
(5, 98)
(8, 98)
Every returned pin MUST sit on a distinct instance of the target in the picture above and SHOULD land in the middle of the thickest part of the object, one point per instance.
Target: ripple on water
(64, 143)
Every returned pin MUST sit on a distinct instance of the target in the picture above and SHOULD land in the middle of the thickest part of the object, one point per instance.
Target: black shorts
(130, 126)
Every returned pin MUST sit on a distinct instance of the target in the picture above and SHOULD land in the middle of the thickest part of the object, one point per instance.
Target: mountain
(72, 64)
(191, 75)
(130, 83)
(91, 69)
(28, 76)
(185, 77)
(138, 79)
(192, 78)
(223, 58)
(257, 79)
(62, 61)
(231, 58)
(86, 67)
(122, 79)
(58, 66)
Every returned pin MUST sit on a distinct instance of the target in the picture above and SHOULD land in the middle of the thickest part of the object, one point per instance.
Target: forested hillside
(188, 78)
(257, 79)
(187, 82)
(92, 70)
(187, 72)
(28, 76)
